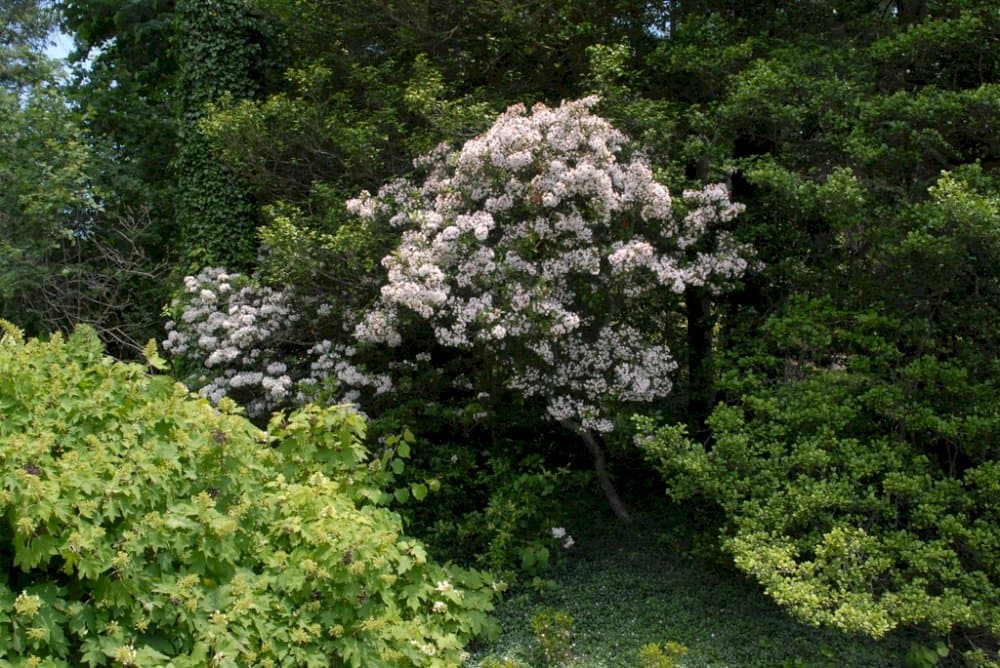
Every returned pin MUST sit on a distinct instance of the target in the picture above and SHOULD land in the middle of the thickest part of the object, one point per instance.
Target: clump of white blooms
(228, 328)
(334, 361)
(531, 245)
(238, 339)
(559, 534)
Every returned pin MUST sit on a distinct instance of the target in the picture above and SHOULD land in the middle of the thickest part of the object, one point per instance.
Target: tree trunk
(608, 487)
(701, 367)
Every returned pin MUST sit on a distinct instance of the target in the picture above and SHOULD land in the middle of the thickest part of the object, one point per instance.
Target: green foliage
(856, 459)
(553, 631)
(219, 58)
(857, 489)
(44, 162)
(652, 655)
(500, 514)
(518, 520)
(362, 90)
(26, 25)
(125, 85)
(46, 202)
(859, 437)
(66, 256)
(921, 656)
(144, 526)
(497, 482)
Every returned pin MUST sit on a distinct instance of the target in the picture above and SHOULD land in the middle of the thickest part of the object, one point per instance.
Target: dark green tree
(125, 81)
(859, 431)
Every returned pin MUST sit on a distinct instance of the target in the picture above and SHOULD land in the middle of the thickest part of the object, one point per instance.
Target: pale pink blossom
(529, 239)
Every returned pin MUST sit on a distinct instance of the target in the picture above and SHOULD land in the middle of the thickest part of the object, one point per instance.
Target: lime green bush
(861, 491)
(142, 526)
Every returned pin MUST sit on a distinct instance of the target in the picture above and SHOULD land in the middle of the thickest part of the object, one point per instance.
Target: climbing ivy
(219, 52)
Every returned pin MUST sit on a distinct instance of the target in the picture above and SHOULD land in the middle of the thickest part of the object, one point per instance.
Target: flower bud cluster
(229, 330)
(239, 339)
(334, 362)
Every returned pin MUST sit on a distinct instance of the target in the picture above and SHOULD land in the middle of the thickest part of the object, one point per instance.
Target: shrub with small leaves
(860, 490)
(142, 526)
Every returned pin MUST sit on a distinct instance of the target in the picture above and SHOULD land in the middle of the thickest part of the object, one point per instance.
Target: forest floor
(624, 588)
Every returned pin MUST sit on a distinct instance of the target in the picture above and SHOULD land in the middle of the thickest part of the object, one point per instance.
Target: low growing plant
(667, 655)
(553, 631)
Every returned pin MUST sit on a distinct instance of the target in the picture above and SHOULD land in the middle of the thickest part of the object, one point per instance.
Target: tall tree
(24, 28)
(43, 162)
(68, 254)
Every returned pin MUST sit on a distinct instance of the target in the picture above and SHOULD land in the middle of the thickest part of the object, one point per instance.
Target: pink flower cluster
(531, 241)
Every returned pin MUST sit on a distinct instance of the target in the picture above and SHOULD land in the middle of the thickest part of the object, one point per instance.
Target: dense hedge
(141, 526)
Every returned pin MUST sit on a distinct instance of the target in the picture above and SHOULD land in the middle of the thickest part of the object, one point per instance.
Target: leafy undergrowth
(626, 589)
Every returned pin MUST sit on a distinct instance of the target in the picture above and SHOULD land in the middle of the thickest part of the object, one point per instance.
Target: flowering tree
(530, 251)
(533, 246)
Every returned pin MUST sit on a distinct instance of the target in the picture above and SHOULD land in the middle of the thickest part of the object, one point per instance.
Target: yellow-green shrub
(142, 526)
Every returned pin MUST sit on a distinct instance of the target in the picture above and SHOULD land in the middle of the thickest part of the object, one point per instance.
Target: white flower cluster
(559, 533)
(237, 339)
(579, 374)
(532, 245)
(334, 361)
(531, 241)
(227, 329)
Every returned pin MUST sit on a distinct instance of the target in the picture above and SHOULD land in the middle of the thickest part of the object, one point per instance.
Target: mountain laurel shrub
(535, 248)
(535, 252)
(142, 526)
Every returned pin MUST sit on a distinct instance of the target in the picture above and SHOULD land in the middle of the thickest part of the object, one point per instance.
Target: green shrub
(141, 526)
(840, 511)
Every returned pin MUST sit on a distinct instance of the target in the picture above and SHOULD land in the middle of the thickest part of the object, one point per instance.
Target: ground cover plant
(142, 526)
(633, 596)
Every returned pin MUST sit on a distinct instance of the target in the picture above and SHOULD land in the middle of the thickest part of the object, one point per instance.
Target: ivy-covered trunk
(219, 56)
